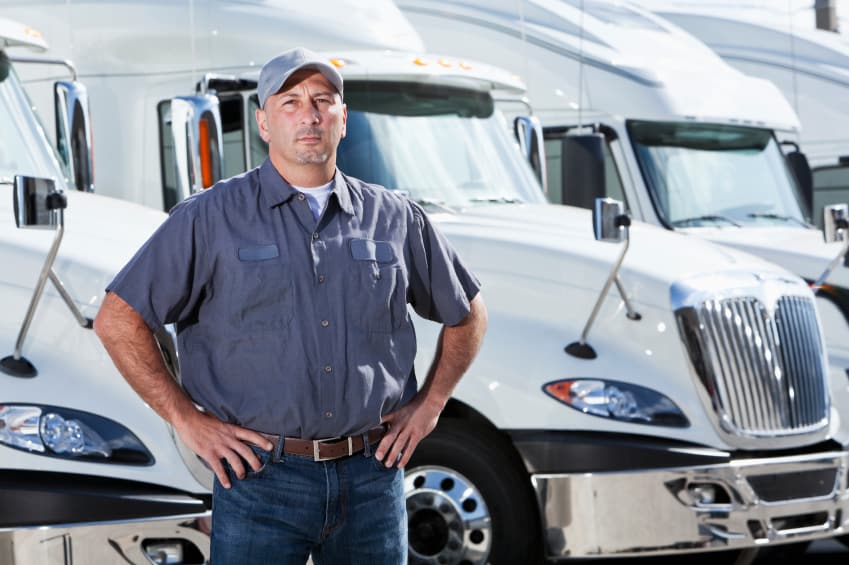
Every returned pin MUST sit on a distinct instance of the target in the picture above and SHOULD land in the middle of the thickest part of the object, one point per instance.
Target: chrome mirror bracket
(611, 224)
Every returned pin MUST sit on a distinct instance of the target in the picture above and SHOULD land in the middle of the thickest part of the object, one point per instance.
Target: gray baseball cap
(277, 71)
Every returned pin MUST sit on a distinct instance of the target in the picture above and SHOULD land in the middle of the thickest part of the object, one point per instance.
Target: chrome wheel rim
(449, 521)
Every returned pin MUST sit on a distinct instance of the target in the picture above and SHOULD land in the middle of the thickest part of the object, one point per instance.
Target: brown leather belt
(325, 449)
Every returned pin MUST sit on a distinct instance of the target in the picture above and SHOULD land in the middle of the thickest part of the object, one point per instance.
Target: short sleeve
(162, 281)
(441, 287)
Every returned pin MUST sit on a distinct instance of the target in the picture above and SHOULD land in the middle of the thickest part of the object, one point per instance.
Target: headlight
(70, 434)
(617, 400)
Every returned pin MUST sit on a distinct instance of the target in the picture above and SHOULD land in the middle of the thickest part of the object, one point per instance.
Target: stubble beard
(312, 157)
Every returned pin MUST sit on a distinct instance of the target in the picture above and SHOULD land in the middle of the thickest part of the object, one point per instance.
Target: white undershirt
(316, 197)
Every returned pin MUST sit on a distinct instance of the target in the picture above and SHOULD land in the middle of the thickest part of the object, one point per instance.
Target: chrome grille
(764, 372)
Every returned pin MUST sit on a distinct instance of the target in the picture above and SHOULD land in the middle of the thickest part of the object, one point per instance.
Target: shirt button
(301, 196)
(320, 279)
(315, 236)
(324, 323)
(328, 369)
(328, 414)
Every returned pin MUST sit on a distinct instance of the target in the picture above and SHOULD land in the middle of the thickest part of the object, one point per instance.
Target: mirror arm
(817, 285)
(604, 291)
(84, 322)
(39, 287)
(632, 314)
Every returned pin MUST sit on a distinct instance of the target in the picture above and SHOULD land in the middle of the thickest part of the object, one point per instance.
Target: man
(289, 288)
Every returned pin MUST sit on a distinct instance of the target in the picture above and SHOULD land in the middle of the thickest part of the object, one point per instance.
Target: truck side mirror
(73, 133)
(197, 135)
(37, 204)
(583, 169)
(528, 133)
(798, 163)
(610, 222)
(836, 222)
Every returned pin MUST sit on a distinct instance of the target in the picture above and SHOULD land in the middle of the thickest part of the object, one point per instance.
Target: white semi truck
(688, 142)
(809, 66)
(574, 418)
(636, 369)
(88, 472)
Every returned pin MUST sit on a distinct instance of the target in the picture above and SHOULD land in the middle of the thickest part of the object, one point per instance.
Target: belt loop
(278, 450)
(366, 446)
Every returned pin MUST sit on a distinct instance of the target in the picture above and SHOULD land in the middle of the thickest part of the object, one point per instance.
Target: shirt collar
(275, 190)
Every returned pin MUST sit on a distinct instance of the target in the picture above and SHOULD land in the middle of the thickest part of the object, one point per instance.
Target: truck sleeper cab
(710, 405)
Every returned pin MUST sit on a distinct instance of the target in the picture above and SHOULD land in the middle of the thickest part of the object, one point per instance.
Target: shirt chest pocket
(261, 290)
(380, 303)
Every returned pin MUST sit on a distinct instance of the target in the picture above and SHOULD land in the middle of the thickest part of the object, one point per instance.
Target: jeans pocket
(378, 464)
(263, 456)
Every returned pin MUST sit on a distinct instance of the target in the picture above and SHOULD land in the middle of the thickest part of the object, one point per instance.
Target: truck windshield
(715, 175)
(23, 147)
(441, 145)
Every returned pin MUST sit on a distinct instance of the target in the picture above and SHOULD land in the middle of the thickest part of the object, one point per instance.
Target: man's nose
(311, 115)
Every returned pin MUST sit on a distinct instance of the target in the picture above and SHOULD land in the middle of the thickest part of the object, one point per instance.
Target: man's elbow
(114, 313)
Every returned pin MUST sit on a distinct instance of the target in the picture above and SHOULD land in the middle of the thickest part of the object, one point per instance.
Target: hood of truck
(556, 243)
(799, 250)
(101, 235)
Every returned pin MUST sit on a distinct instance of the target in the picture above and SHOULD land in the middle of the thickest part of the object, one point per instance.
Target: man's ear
(344, 119)
(262, 123)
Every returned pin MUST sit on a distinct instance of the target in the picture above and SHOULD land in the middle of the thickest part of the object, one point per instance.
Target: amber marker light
(559, 390)
(338, 63)
(205, 154)
(445, 63)
(465, 66)
(421, 62)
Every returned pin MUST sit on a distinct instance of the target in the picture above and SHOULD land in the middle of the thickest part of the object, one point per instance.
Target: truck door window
(232, 133)
(831, 186)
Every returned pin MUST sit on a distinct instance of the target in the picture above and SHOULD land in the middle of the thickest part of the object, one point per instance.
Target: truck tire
(469, 500)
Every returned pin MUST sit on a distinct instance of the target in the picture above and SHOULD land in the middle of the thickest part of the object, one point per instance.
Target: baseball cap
(277, 71)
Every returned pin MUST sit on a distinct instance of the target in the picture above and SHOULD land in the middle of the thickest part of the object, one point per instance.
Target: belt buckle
(317, 442)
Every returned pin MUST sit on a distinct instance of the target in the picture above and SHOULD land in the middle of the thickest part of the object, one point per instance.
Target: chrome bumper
(735, 505)
(175, 539)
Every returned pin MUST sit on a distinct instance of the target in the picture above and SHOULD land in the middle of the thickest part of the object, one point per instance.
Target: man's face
(304, 122)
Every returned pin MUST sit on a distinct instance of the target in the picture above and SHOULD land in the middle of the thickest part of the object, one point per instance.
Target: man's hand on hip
(407, 427)
(215, 442)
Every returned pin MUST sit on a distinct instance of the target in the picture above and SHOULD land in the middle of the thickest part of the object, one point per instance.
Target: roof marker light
(421, 62)
(338, 63)
(445, 63)
(465, 66)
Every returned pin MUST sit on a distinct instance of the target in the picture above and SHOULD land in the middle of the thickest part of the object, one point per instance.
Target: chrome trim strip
(612, 508)
(103, 542)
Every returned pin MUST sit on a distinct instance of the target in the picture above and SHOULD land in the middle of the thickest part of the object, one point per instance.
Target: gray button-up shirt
(287, 324)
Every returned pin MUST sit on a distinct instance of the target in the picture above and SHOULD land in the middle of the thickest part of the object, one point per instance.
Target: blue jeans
(345, 511)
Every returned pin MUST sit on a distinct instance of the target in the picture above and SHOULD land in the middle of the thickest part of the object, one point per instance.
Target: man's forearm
(133, 349)
(458, 345)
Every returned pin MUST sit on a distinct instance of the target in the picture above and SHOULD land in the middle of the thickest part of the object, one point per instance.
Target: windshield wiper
(497, 199)
(771, 216)
(436, 204)
(706, 218)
